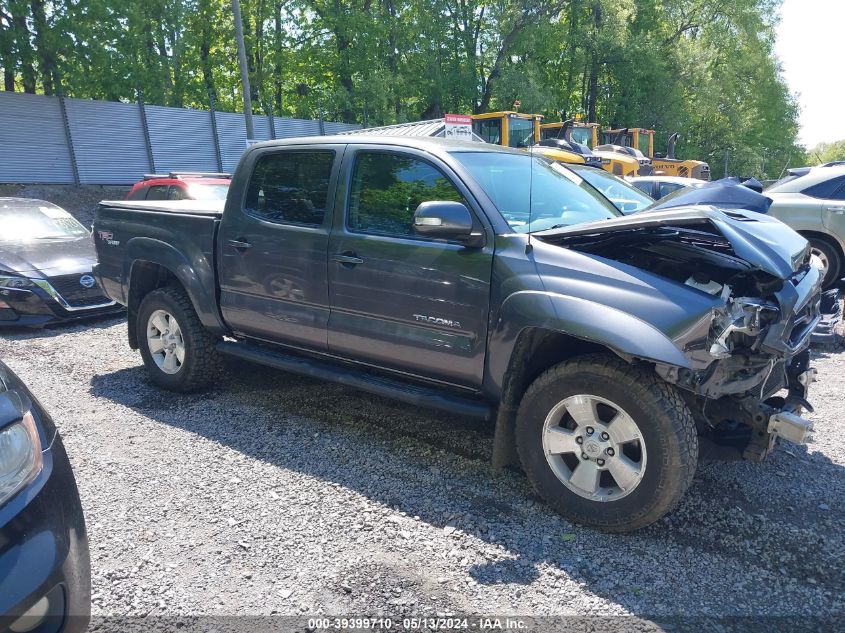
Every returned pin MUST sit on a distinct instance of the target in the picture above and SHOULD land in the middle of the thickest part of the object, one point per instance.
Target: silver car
(813, 203)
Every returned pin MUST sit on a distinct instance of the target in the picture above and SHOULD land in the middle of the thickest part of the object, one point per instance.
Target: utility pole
(239, 35)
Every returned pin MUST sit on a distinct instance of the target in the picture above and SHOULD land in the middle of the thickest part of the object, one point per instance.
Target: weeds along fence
(59, 140)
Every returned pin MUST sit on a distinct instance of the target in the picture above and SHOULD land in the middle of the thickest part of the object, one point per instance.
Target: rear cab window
(290, 187)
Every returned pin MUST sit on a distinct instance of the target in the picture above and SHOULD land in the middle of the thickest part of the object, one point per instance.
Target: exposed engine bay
(757, 342)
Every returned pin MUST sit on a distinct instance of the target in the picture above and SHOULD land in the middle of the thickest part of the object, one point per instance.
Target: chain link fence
(59, 140)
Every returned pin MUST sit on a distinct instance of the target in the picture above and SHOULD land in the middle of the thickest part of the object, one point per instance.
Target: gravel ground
(274, 494)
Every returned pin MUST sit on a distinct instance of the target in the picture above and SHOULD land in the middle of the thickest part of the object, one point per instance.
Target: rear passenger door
(399, 300)
(272, 245)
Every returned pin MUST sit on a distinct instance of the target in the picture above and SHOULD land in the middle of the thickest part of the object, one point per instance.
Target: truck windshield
(535, 194)
(37, 221)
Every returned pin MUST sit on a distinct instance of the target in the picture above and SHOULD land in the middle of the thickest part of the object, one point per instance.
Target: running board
(356, 379)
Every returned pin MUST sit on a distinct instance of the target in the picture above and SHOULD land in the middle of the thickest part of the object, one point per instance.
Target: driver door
(400, 300)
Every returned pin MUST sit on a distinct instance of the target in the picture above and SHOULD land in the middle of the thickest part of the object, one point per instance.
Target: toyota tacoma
(487, 282)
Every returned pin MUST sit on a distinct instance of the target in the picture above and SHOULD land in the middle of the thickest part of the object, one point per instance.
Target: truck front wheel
(605, 443)
(178, 351)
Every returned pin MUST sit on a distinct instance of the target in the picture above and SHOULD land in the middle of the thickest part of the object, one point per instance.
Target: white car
(813, 203)
(661, 186)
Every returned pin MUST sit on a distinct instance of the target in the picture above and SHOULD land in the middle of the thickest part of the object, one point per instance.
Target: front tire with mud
(605, 443)
(178, 351)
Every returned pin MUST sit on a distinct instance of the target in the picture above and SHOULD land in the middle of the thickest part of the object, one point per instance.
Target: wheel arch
(155, 264)
(519, 350)
(825, 237)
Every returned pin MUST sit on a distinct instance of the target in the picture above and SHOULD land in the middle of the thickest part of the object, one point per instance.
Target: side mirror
(442, 219)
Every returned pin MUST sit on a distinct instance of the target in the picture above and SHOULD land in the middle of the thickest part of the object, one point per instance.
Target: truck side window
(290, 187)
(387, 189)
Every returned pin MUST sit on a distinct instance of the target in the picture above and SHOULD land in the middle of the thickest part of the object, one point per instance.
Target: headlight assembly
(20, 456)
(13, 281)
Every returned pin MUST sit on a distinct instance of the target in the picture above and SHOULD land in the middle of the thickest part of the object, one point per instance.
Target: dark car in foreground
(45, 571)
(46, 258)
(491, 283)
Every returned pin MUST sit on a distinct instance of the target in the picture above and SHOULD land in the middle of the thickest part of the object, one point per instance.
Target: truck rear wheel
(605, 443)
(178, 351)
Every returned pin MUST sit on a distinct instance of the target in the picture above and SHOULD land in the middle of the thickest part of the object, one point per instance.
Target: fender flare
(197, 277)
(625, 334)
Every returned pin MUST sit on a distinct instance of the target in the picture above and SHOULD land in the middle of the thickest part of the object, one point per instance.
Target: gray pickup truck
(487, 282)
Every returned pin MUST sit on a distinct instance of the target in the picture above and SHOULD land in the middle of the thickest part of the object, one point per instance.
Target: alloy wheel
(594, 447)
(165, 341)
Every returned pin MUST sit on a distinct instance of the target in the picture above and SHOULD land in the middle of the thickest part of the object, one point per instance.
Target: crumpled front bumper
(831, 315)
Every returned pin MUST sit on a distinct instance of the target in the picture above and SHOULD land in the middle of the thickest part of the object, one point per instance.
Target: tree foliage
(826, 153)
(704, 68)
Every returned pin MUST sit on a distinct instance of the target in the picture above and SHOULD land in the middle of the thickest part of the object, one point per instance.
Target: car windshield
(535, 194)
(40, 221)
(208, 192)
(625, 197)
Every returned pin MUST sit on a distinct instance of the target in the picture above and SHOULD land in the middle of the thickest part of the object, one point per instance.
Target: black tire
(830, 253)
(665, 423)
(201, 363)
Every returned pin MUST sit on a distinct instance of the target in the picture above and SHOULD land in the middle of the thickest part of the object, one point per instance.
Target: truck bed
(190, 207)
(179, 235)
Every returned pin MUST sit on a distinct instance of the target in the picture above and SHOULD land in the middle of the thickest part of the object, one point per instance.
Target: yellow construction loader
(562, 148)
(671, 166)
(617, 163)
(514, 129)
(510, 129)
(627, 141)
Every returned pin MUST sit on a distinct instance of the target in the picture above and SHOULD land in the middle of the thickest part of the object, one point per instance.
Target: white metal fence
(55, 140)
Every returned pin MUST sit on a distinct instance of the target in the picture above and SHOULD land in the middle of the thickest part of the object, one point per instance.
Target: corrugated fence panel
(232, 132)
(108, 141)
(182, 140)
(33, 144)
(290, 128)
(335, 128)
(261, 127)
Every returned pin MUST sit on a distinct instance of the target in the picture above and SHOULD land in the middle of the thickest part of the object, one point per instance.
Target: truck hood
(763, 242)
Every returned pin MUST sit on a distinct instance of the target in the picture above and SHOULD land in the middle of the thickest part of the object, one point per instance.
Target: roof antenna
(528, 247)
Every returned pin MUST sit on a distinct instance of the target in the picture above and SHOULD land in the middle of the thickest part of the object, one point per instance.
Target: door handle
(241, 245)
(836, 209)
(347, 258)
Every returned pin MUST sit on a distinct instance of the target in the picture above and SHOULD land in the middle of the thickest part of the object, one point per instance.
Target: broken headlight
(741, 316)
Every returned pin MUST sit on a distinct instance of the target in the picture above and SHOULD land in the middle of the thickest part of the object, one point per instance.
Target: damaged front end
(748, 374)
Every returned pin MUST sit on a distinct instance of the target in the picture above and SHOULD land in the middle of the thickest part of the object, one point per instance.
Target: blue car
(45, 569)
